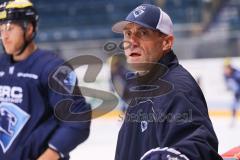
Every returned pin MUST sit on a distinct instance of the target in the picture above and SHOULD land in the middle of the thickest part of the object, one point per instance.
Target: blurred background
(203, 28)
(206, 33)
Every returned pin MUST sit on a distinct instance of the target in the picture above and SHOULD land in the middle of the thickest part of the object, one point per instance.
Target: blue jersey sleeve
(60, 83)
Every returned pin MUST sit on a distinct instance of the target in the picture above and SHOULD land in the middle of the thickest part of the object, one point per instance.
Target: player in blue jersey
(232, 79)
(33, 84)
(167, 117)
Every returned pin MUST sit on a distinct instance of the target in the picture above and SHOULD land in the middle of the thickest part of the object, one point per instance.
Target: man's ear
(168, 43)
(30, 30)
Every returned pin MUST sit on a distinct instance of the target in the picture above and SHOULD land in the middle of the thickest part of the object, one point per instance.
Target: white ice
(102, 140)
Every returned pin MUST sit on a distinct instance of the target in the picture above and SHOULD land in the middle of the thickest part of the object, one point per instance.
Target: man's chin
(8, 52)
(137, 66)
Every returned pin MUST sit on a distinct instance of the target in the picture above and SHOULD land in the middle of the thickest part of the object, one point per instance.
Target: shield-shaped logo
(144, 125)
(12, 121)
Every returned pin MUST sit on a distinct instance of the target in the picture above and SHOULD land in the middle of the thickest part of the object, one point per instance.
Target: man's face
(144, 45)
(228, 70)
(12, 36)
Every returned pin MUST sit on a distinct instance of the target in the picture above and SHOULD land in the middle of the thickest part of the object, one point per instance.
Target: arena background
(206, 32)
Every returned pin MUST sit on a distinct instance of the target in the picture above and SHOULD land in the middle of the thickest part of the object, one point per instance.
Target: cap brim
(119, 26)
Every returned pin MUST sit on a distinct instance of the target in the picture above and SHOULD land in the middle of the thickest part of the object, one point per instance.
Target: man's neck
(26, 53)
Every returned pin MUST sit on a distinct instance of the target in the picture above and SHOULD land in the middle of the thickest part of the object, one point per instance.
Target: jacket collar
(169, 59)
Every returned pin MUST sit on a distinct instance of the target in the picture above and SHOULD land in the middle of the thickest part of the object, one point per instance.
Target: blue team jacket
(27, 122)
(167, 118)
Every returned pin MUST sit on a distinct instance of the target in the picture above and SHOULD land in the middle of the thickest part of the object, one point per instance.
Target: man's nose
(134, 41)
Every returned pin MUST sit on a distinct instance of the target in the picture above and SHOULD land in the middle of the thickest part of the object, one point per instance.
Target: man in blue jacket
(167, 117)
(29, 128)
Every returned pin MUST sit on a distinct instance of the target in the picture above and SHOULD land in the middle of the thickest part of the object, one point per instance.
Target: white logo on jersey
(11, 94)
(11, 70)
(144, 125)
(2, 73)
(27, 75)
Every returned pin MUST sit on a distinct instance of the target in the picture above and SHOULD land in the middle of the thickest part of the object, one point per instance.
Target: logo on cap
(138, 11)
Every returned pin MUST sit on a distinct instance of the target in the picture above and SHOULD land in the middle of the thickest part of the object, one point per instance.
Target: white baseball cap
(149, 16)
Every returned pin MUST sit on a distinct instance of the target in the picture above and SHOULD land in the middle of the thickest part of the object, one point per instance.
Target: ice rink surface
(103, 138)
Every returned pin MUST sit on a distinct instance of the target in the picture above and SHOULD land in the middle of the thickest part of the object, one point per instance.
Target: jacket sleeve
(186, 133)
(70, 132)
